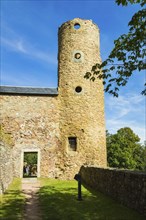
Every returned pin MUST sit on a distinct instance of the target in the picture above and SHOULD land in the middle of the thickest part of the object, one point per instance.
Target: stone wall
(33, 123)
(6, 166)
(127, 187)
(44, 122)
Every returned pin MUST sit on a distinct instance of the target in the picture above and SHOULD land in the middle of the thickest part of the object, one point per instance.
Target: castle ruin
(64, 126)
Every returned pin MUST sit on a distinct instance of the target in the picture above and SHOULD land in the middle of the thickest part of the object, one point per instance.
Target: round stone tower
(82, 123)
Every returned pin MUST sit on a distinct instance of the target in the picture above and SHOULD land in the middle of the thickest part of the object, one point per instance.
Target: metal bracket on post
(78, 178)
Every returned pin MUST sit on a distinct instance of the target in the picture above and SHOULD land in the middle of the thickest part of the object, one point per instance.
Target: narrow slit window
(72, 143)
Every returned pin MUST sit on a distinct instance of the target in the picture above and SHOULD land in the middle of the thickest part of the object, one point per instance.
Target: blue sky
(29, 47)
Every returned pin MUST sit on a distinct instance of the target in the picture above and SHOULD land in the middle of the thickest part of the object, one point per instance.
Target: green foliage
(126, 2)
(58, 200)
(125, 151)
(127, 55)
(30, 158)
(12, 202)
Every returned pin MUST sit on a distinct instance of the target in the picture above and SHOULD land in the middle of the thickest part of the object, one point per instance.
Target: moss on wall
(5, 137)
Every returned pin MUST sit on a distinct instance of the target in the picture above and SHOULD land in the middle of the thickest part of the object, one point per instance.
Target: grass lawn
(12, 202)
(58, 200)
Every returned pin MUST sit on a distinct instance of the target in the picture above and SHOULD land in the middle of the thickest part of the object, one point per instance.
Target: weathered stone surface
(127, 187)
(81, 114)
(46, 122)
(6, 166)
(33, 123)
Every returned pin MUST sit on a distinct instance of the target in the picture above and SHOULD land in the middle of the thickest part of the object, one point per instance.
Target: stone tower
(64, 127)
(82, 123)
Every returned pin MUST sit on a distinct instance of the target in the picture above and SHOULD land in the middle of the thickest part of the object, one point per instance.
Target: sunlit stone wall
(81, 100)
(6, 166)
(127, 187)
(45, 121)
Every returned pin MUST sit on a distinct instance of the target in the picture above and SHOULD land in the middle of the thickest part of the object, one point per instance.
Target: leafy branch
(127, 56)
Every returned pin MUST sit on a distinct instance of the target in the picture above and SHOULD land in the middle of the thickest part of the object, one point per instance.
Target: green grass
(58, 201)
(12, 202)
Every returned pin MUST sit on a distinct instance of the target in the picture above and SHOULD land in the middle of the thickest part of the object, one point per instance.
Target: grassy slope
(12, 202)
(59, 202)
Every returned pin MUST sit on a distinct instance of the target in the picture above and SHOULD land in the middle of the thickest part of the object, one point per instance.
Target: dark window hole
(72, 143)
(78, 89)
(77, 56)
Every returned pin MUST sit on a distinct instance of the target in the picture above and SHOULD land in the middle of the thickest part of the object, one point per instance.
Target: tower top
(77, 23)
(77, 30)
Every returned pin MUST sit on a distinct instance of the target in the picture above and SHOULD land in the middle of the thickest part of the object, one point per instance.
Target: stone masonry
(65, 126)
(6, 166)
(125, 186)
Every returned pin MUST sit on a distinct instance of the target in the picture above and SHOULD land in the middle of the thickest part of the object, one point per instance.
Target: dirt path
(30, 188)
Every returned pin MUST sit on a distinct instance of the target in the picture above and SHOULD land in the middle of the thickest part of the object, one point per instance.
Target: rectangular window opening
(72, 143)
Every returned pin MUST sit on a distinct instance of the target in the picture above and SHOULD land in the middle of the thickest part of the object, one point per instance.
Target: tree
(125, 151)
(127, 55)
(30, 158)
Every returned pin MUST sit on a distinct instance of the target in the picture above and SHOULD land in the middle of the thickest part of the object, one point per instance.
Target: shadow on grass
(59, 202)
(12, 205)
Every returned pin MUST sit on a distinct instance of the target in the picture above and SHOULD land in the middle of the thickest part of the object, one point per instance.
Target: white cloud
(113, 125)
(16, 45)
(19, 46)
(23, 79)
(11, 40)
(126, 111)
(9, 79)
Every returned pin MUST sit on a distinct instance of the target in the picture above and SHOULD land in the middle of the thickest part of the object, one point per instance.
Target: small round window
(77, 56)
(77, 26)
(78, 89)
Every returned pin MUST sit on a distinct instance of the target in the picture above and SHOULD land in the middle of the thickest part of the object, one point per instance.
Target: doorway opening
(30, 164)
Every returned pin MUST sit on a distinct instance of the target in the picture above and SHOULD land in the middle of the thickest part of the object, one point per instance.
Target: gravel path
(30, 188)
